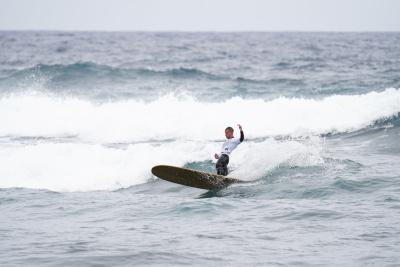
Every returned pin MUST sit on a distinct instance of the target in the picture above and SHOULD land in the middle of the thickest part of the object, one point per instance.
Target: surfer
(228, 146)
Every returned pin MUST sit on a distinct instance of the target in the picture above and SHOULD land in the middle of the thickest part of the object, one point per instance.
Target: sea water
(85, 115)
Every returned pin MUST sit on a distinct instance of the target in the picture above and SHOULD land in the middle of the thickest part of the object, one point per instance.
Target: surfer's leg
(226, 161)
(219, 167)
(222, 165)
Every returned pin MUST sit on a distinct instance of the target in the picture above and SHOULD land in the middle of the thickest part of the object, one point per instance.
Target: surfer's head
(229, 132)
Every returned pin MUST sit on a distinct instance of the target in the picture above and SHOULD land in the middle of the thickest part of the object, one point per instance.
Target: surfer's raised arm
(241, 133)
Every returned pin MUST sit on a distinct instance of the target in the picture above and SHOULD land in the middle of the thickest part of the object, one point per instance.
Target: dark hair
(229, 129)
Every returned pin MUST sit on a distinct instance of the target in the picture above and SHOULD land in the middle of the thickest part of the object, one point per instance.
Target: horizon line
(201, 31)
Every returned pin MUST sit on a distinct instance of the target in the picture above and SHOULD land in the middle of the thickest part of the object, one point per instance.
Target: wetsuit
(228, 146)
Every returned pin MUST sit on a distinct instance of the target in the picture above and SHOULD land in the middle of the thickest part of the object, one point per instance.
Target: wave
(385, 123)
(182, 117)
(388, 122)
(87, 167)
(82, 71)
(272, 81)
(86, 73)
(70, 144)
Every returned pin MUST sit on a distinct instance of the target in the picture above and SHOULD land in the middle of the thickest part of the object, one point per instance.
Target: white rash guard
(230, 144)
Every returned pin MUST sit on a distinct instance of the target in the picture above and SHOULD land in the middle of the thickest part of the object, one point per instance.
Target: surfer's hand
(216, 156)
(240, 127)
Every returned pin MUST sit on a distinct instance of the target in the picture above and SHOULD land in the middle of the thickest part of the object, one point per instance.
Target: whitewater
(91, 146)
(85, 116)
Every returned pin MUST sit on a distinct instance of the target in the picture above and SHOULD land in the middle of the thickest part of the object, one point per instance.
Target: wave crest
(183, 117)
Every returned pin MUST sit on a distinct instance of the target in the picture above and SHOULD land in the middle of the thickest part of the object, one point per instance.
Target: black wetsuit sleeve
(241, 136)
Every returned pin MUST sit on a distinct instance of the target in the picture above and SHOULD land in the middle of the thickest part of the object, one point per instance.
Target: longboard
(193, 178)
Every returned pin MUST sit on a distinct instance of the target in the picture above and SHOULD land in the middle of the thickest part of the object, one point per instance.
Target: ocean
(84, 116)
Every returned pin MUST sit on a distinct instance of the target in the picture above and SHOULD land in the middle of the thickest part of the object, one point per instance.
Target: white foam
(84, 167)
(172, 117)
(253, 160)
